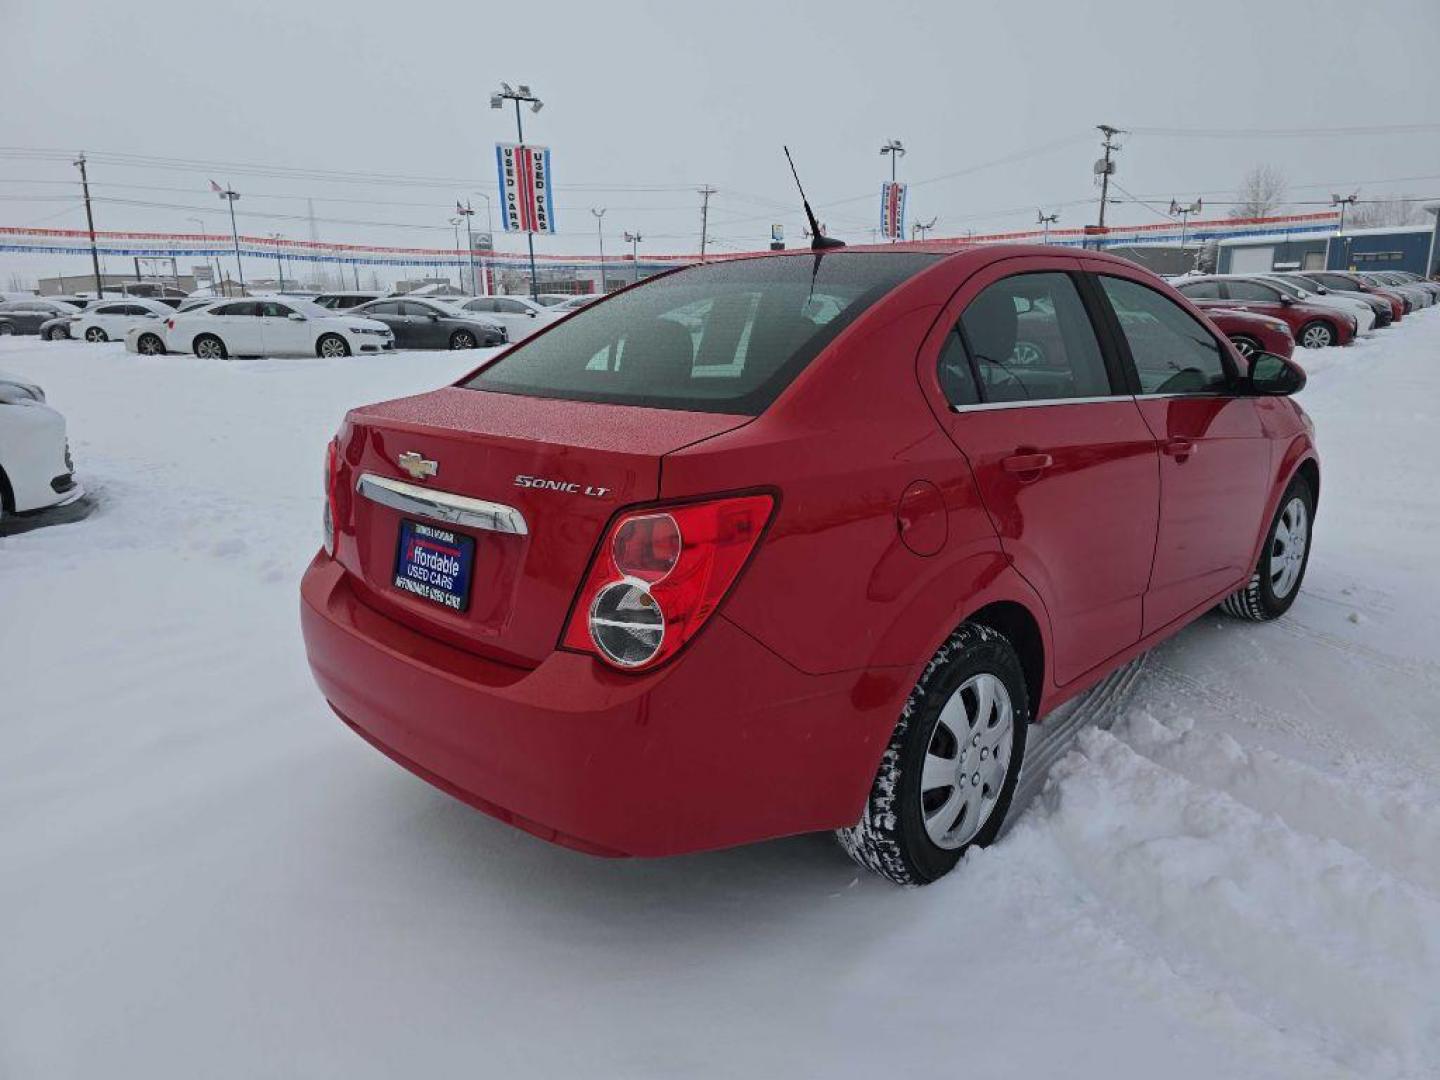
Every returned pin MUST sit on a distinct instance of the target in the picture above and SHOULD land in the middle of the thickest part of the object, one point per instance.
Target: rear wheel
(947, 777)
(6, 329)
(1245, 346)
(55, 334)
(462, 339)
(1273, 586)
(210, 347)
(332, 345)
(96, 334)
(1317, 335)
(150, 345)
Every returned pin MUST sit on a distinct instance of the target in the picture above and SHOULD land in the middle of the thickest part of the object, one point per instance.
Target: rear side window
(1201, 290)
(1031, 340)
(724, 337)
(1252, 291)
(1173, 353)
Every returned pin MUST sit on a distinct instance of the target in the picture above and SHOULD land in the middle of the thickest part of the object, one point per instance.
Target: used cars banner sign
(892, 211)
(525, 201)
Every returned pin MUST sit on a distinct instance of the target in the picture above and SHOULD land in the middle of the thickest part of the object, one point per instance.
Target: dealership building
(1415, 248)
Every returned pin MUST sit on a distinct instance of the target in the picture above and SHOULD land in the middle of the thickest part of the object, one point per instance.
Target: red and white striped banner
(525, 188)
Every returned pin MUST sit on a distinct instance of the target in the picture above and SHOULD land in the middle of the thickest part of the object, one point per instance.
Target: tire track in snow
(1322, 938)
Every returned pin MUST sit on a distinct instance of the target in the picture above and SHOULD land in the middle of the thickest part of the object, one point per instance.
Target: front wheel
(6, 329)
(54, 334)
(95, 334)
(1245, 346)
(1273, 586)
(332, 346)
(1317, 335)
(462, 339)
(947, 777)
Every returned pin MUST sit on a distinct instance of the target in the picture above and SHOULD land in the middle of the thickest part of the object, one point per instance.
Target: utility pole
(633, 239)
(90, 224)
(1341, 201)
(704, 192)
(600, 236)
(497, 101)
(1105, 167)
(1046, 220)
(279, 262)
(1183, 213)
(230, 196)
(467, 213)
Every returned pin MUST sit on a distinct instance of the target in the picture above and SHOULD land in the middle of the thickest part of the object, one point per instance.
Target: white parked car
(520, 315)
(263, 326)
(35, 468)
(112, 319)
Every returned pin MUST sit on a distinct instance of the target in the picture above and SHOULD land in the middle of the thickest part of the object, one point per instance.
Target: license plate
(435, 564)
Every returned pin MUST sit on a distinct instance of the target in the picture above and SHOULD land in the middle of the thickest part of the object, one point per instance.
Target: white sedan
(113, 319)
(520, 315)
(35, 468)
(261, 326)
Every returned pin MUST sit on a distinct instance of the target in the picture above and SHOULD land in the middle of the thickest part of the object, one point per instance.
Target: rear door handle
(1027, 463)
(1178, 448)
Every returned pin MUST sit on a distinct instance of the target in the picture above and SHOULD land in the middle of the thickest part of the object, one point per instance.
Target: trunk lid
(565, 466)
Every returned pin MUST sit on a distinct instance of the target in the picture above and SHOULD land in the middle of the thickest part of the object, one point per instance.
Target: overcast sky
(646, 101)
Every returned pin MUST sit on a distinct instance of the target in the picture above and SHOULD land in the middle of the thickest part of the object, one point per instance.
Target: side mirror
(1286, 299)
(295, 316)
(433, 317)
(1274, 376)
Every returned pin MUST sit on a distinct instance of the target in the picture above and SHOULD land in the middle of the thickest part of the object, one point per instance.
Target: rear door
(282, 335)
(238, 326)
(1065, 464)
(388, 312)
(1215, 464)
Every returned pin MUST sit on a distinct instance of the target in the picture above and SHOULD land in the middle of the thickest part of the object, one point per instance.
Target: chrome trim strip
(1046, 402)
(442, 505)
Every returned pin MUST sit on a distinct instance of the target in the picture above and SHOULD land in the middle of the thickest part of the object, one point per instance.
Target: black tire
(890, 838)
(1246, 346)
(1257, 601)
(210, 347)
(463, 339)
(1316, 334)
(332, 346)
(150, 345)
(95, 335)
(54, 334)
(6, 329)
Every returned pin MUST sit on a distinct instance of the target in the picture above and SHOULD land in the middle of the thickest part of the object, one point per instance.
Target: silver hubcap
(1317, 337)
(94, 335)
(967, 761)
(208, 349)
(462, 341)
(149, 345)
(331, 347)
(1287, 550)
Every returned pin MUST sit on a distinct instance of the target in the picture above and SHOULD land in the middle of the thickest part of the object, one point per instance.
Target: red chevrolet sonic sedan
(799, 542)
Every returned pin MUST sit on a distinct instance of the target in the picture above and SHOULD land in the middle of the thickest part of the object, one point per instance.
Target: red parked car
(1248, 332)
(794, 543)
(1312, 326)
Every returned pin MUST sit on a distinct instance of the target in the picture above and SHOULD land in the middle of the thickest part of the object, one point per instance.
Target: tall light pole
(79, 163)
(633, 239)
(1046, 220)
(497, 101)
(896, 150)
(1183, 213)
(455, 226)
(920, 228)
(230, 196)
(600, 236)
(490, 229)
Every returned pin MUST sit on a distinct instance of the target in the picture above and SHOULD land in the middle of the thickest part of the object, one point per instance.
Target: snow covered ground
(203, 873)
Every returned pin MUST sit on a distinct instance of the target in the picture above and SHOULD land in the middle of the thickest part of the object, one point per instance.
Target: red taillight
(332, 477)
(659, 575)
(169, 324)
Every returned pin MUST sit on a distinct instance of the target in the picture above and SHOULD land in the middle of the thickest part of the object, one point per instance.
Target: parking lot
(207, 874)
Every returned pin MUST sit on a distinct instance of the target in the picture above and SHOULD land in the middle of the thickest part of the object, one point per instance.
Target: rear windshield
(725, 337)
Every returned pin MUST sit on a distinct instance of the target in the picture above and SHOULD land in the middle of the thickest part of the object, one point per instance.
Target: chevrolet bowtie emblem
(417, 466)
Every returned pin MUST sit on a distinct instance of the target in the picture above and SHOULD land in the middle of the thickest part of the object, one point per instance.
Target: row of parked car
(1271, 312)
(330, 324)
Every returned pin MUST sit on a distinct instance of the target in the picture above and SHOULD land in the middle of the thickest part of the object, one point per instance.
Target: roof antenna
(817, 241)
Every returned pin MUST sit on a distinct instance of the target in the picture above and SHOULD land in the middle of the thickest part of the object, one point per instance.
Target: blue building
(1415, 248)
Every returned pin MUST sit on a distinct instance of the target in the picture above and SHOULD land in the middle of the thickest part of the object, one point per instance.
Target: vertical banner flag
(892, 211)
(525, 188)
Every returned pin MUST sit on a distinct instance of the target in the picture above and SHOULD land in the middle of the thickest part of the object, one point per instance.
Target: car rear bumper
(726, 745)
